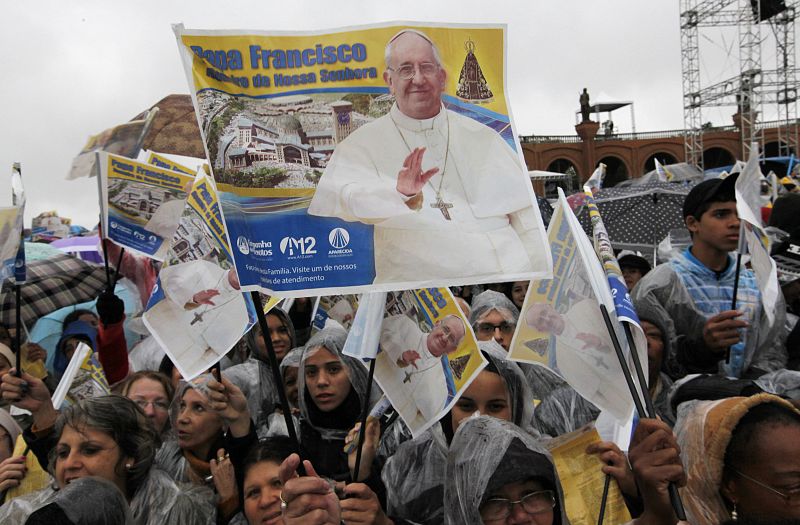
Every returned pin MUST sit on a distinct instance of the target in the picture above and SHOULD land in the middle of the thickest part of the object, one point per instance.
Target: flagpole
(364, 412)
(101, 230)
(637, 365)
(674, 496)
(735, 293)
(604, 499)
(276, 374)
(18, 331)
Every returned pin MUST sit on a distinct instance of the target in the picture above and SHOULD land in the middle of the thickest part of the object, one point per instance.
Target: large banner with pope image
(374, 158)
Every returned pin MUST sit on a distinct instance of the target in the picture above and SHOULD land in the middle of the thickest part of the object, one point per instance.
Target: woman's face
(290, 384)
(262, 489)
(88, 452)
(197, 426)
(775, 463)
(518, 291)
(326, 379)
(151, 397)
(538, 509)
(487, 394)
(279, 334)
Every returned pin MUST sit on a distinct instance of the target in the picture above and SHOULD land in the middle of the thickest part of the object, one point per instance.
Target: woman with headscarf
(276, 423)
(499, 474)
(414, 475)
(742, 458)
(254, 377)
(108, 437)
(331, 391)
(213, 432)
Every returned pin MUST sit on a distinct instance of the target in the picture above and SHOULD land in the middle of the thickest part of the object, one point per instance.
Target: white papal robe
(417, 393)
(495, 227)
(199, 336)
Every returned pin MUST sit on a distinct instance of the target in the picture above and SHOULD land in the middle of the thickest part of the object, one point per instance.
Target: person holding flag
(694, 291)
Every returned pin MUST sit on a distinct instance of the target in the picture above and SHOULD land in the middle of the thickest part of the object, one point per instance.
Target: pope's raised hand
(411, 178)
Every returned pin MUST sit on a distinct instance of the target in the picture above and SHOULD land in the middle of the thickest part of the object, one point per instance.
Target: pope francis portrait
(447, 195)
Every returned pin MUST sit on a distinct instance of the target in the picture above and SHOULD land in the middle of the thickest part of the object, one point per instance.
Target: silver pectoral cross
(443, 207)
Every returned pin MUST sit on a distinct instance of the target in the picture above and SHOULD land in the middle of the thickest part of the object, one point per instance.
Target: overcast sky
(72, 69)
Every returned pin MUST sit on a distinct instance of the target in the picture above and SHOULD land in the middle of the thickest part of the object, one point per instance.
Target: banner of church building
(371, 158)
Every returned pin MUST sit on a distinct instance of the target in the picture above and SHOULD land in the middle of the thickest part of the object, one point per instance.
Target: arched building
(630, 155)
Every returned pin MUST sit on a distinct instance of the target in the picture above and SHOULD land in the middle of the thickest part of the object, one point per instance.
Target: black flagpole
(364, 413)
(276, 374)
(18, 333)
(603, 501)
(735, 293)
(674, 496)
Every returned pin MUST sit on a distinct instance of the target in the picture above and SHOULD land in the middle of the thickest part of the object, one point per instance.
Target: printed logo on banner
(114, 225)
(241, 243)
(298, 247)
(339, 238)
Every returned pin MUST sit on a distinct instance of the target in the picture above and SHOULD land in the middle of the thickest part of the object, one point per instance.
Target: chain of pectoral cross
(440, 203)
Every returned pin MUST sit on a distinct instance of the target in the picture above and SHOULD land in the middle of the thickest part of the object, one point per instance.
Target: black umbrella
(639, 217)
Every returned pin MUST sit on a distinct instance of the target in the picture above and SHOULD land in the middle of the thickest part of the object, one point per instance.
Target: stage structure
(754, 88)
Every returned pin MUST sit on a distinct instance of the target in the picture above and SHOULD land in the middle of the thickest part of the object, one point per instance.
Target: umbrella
(55, 282)
(639, 217)
(174, 129)
(87, 248)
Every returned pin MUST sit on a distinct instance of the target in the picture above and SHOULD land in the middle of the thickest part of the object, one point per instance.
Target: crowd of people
(219, 448)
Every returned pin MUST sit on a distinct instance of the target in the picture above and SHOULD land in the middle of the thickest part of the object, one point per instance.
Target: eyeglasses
(449, 335)
(408, 71)
(792, 497)
(489, 328)
(534, 503)
(159, 405)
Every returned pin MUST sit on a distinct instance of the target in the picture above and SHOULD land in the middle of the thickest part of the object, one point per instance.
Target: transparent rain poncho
(519, 393)
(90, 500)
(276, 423)
(541, 380)
(414, 478)
(664, 292)
(332, 339)
(489, 300)
(159, 500)
(255, 379)
(562, 411)
(414, 475)
(703, 430)
(487, 453)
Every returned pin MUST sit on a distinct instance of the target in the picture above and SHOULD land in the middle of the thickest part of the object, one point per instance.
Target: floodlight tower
(753, 86)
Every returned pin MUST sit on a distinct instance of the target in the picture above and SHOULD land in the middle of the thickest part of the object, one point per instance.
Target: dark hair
(74, 315)
(724, 195)
(751, 426)
(273, 449)
(166, 367)
(153, 376)
(124, 422)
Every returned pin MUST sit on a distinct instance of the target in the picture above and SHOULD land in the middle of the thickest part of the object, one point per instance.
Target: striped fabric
(53, 283)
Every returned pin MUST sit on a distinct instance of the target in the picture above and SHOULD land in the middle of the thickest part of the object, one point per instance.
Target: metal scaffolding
(753, 87)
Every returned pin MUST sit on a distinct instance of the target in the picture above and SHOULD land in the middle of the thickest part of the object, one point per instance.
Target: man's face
(544, 318)
(418, 97)
(717, 228)
(445, 336)
(655, 348)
